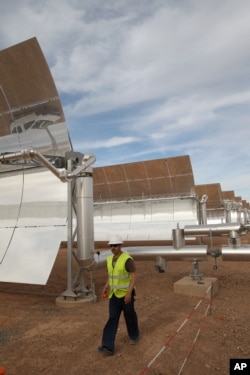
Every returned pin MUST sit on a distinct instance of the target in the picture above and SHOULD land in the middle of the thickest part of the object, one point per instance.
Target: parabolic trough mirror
(33, 201)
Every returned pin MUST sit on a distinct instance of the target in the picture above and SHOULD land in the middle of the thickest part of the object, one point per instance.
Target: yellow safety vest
(119, 277)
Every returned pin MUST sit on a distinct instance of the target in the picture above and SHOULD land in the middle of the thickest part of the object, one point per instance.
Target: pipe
(238, 254)
(62, 174)
(178, 238)
(203, 209)
(241, 254)
(211, 229)
(152, 252)
(168, 252)
(28, 154)
(85, 216)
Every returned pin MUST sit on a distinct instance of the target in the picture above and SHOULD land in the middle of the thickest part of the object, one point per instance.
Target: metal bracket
(196, 274)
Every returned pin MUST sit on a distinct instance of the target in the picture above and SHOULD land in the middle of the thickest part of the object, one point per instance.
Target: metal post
(69, 292)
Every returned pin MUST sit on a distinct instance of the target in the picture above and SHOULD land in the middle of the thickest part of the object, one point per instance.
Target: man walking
(120, 288)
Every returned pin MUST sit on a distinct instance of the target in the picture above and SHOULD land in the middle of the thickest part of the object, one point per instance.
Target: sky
(142, 79)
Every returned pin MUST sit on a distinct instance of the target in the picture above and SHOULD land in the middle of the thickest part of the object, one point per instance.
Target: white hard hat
(115, 240)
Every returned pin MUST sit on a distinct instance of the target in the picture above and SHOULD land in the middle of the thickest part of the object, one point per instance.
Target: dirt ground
(36, 336)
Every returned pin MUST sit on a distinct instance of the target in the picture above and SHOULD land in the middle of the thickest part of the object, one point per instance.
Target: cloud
(148, 78)
(108, 143)
(154, 58)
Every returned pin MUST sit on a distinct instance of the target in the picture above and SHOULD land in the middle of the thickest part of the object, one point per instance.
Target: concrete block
(197, 288)
(68, 303)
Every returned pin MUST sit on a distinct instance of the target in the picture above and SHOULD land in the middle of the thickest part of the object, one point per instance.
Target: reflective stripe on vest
(119, 277)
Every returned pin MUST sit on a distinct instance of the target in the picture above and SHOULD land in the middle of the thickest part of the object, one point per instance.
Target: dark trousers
(116, 306)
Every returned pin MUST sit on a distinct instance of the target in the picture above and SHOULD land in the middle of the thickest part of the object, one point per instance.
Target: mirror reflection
(33, 201)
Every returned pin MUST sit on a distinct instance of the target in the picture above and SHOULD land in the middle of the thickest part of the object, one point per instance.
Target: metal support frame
(77, 287)
(77, 165)
(69, 291)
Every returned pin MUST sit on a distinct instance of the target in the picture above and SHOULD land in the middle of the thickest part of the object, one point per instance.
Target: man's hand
(104, 294)
(127, 298)
(105, 291)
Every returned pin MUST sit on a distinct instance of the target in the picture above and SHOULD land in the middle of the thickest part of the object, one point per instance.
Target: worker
(120, 288)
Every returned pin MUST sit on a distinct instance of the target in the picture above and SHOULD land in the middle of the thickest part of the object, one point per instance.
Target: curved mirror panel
(144, 201)
(147, 220)
(33, 202)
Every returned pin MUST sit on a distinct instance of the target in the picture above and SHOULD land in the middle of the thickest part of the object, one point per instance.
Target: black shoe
(133, 341)
(104, 350)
